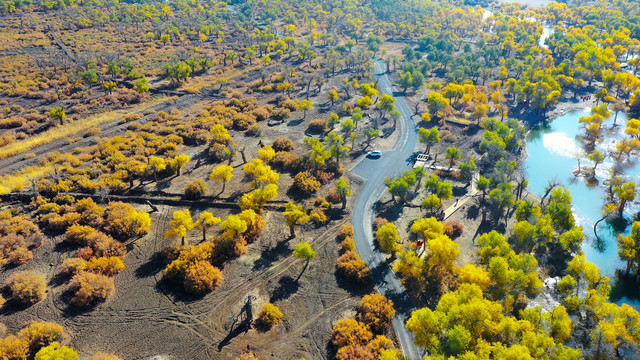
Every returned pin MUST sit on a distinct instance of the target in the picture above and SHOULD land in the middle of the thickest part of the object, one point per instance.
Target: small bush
(318, 126)
(352, 267)
(379, 222)
(334, 197)
(73, 266)
(348, 244)
(195, 189)
(90, 289)
(318, 217)
(202, 277)
(20, 256)
(350, 332)
(269, 316)
(108, 266)
(283, 144)
(254, 130)
(92, 132)
(345, 232)
(285, 161)
(453, 228)
(79, 234)
(27, 287)
(124, 222)
(305, 183)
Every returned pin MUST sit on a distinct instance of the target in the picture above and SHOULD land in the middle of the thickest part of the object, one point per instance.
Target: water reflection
(554, 152)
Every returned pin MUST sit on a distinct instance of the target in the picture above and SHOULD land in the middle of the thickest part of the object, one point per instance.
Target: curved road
(373, 171)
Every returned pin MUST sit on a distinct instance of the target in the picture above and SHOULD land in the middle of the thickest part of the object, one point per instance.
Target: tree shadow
(234, 332)
(390, 212)
(295, 122)
(151, 267)
(352, 287)
(271, 255)
(287, 286)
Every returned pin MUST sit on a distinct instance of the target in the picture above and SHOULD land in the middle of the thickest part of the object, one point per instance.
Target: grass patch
(68, 130)
(20, 180)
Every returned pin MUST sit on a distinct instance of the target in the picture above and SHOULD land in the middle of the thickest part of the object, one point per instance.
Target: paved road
(390, 164)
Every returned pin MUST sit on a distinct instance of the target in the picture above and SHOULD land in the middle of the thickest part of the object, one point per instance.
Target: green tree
(142, 85)
(428, 138)
(343, 189)
(304, 251)
(452, 154)
(385, 104)
(405, 80)
(371, 134)
(483, 185)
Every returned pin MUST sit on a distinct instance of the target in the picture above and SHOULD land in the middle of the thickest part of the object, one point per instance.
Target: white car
(374, 154)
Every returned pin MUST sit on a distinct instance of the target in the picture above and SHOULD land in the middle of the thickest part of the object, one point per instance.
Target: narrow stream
(553, 153)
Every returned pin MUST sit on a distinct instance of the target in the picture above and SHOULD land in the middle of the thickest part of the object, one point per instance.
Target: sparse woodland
(184, 165)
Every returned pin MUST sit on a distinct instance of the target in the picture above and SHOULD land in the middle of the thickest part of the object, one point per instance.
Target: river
(553, 151)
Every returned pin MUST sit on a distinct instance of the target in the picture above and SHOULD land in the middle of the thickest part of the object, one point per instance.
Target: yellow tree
(295, 215)
(388, 238)
(261, 173)
(258, 197)
(206, 222)
(223, 174)
(181, 223)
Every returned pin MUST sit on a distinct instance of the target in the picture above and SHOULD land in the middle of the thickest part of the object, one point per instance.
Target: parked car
(374, 154)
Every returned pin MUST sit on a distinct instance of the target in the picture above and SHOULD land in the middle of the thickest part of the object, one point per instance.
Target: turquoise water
(553, 151)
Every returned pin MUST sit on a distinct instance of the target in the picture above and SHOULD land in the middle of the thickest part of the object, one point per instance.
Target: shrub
(318, 126)
(56, 352)
(124, 222)
(104, 245)
(38, 335)
(20, 256)
(283, 144)
(92, 132)
(356, 351)
(285, 161)
(453, 228)
(352, 267)
(318, 217)
(195, 189)
(345, 232)
(27, 287)
(349, 332)
(376, 311)
(305, 183)
(378, 222)
(79, 234)
(348, 244)
(254, 130)
(334, 197)
(202, 277)
(269, 315)
(108, 266)
(90, 289)
(73, 266)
